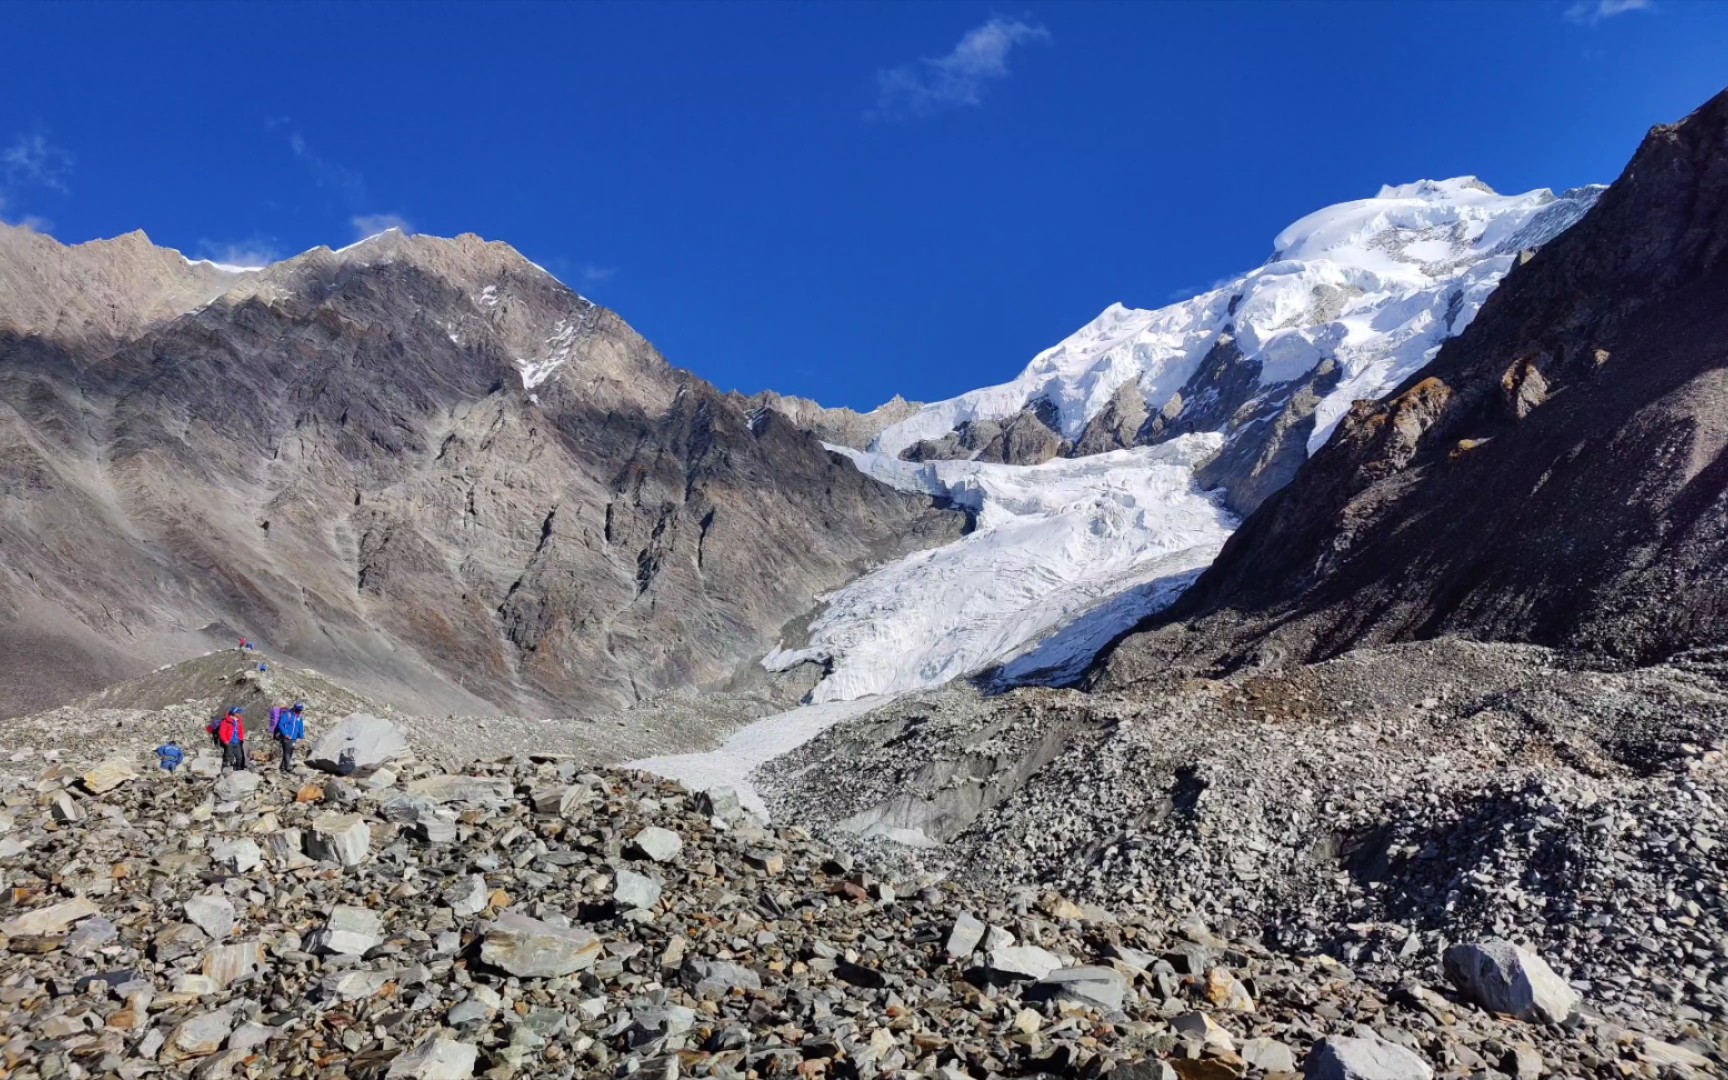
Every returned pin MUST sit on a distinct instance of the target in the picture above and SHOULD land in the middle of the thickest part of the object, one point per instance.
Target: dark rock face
(339, 457)
(1558, 475)
(1029, 437)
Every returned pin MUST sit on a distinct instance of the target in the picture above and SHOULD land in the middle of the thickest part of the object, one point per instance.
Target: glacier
(1069, 553)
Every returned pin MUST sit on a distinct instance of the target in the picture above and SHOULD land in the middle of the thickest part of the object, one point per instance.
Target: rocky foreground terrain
(532, 916)
(1378, 808)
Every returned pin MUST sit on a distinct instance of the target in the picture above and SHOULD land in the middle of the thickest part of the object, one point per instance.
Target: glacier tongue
(1069, 553)
(1052, 541)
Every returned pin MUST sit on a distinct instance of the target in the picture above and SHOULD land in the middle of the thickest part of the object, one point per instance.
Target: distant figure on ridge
(287, 727)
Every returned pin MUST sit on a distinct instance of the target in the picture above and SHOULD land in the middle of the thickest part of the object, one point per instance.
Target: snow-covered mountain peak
(1373, 285)
(1173, 421)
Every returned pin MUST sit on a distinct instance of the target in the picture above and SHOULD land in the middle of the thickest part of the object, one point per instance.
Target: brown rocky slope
(1558, 475)
(342, 456)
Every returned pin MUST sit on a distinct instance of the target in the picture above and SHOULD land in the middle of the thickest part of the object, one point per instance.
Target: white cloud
(253, 254)
(593, 275)
(33, 160)
(1591, 12)
(372, 224)
(959, 78)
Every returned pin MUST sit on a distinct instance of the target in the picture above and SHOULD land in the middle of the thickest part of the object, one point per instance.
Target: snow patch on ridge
(1051, 542)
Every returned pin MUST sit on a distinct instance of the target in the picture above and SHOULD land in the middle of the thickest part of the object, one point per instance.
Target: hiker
(287, 727)
(244, 644)
(171, 756)
(231, 734)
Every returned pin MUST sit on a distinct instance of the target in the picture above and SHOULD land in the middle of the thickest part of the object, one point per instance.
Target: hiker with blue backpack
(288, 726)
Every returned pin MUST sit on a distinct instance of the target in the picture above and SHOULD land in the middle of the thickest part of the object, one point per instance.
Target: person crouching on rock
(287, 727)
(231, 734)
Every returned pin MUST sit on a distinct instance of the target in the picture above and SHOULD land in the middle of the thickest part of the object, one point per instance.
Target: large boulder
(1503, 978)
(1341, 1058)
(360, 742)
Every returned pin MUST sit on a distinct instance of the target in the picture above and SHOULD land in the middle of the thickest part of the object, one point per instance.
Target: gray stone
(211, 913)
(1503, 978)
(239, 855)
(1023, 961)
(360, 741)
(53, 919)
(229, 964)
(350, 931)
(964, 937)
(554, 800)
(197, 1037)
(711, 980)
(661, 845)
(473, 790)
(435, 1059)
(435, 830)
(353, 985)
(530, 948)
(339, 838)
(1268, 1055)
(1099, 987)
(722, 806)
(1339, 1057)
(236, 786)
(467, 896)
(65, 809)
(633, 890)
(251, 1035)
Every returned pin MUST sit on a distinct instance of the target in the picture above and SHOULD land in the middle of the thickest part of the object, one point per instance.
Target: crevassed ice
(1052, 541)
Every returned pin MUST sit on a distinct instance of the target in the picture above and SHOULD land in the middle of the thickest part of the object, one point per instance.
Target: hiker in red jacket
(231, 734)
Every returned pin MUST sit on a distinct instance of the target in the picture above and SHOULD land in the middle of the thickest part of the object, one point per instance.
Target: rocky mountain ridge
(1555, 476)
(423, 464)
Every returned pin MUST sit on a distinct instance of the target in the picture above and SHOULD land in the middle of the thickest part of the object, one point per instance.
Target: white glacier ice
(1051, 542)
(1070, 553)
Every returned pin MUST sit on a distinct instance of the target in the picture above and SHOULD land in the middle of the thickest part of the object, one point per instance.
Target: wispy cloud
(1591, 12)
(32, 160)
(594, 275)
(372, 224)
(253, 254)
(325, 173)
(959, 78)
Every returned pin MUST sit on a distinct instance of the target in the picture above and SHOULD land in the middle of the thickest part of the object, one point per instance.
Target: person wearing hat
(287, 727)
(231, 736)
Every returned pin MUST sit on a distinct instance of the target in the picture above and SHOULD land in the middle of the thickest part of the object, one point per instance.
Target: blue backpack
(291, 725)
(171, 756)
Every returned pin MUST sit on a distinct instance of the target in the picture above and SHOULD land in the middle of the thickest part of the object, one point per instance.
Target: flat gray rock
(530, 948)
(1339, 1057)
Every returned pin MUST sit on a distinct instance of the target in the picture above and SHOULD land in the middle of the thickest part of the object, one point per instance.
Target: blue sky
(833, 199)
